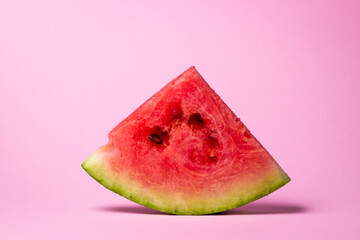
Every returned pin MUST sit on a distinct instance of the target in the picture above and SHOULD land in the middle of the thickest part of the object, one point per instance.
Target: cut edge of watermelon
(97, 167)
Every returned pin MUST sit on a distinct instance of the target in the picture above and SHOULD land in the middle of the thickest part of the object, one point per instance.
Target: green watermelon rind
(98, 169)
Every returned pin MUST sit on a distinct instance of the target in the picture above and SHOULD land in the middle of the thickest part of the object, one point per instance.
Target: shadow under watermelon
(249, 209)
(264, 208)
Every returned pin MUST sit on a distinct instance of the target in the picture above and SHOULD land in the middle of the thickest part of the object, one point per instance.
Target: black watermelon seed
(155, 139)
(196, 120)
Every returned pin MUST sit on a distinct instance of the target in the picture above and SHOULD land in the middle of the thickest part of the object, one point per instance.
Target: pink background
(71, 70)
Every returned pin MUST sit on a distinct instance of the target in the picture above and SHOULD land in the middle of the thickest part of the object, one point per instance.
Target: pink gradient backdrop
(71, 70)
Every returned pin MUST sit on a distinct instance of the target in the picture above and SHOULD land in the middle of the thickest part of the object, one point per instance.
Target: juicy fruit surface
(184, 151)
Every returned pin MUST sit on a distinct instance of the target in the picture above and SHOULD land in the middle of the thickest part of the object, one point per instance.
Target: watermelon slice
(185, 152)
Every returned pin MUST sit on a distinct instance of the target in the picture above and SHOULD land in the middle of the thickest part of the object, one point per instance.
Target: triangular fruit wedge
(185, 152)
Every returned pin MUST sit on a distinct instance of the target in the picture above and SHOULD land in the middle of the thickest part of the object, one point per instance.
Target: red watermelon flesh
(185, 152)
